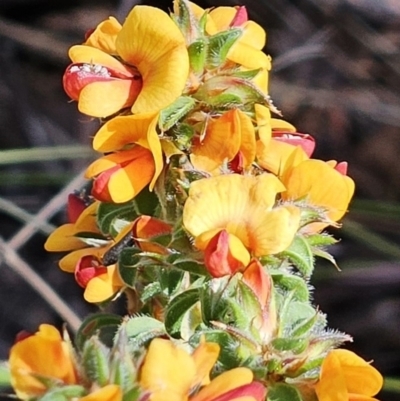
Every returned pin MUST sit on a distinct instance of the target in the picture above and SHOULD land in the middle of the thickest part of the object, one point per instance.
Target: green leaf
(64, 393)
(296, 345)
(177, 308)
(295, 314)
(140, 329)
(170, 280)
(283, 392)
(95, 361)
(219, 46)
(191, 266)
(128, 262)
(224, 100)
(246, 74)
(104, 325)
(245, 306)
(214, 306)
(197, 55)
(132, 395)
(325, 255)
(305, 326)
(291, 282)
(173, 113)
(183, 134)
(107, 213)
(321, 240)
(300, 254)
(150, 291)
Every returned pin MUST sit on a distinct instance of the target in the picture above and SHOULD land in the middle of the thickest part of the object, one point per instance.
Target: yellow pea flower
(152, 72)
(120, 176)
(244, 207)
(347, 377)
(226, 137)
(44, 354)
(169, 373)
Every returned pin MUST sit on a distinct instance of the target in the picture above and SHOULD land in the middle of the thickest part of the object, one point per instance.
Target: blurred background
(336, 76)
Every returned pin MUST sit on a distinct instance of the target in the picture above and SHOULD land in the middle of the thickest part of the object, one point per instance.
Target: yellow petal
(248, 56)
(63, 239)
(91, 55)
(104, 98)
(263, 118)
(282, 125)
(204, 357)
(221, 143)
(168, 372)
(110, 392)
(261, 80)
(68, 262)
(223, 383)
(128, 181)
(323, 186)
(247, 140)
(153, 43)
(253, 35)
(360, 376)
(222, 17)
(87, 221)
(332, 384)
(121, 131)
(274, 232)
(104, 286)
(104, 36)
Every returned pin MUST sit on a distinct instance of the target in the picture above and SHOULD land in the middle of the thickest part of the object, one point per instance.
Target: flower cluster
(206, 212)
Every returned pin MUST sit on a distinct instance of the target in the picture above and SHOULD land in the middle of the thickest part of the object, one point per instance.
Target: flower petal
(68, 262)
(104, 286)
(104, 36)
(152, 42)
(168, 372)
(110, 392)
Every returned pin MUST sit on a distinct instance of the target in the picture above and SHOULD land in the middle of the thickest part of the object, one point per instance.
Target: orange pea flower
(142, 64)
(66, 238)
(42, 355)
(225, 138)
(323, 184)
(120, 176)
(244, 207)
(110, 392)
(347, 377)
(171, 373)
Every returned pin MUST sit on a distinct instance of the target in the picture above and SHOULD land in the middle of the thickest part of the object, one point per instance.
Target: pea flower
(44, 355)
(142, 65)
(347, 377)
(233, 217)
(135, 147)
(171, 373)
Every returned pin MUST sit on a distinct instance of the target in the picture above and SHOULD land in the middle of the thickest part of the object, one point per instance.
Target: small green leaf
(128, 262)
(296, 345)
(150, 291)
(246, 74)
(325, 255)
(283, 392)
(104, 325)
(191, 266)
(64, 393)
(95, 361)
(305, 326)
(224, 100)
(197, 55)
(177, 308)
(173, 113)
(140, 329)
(219, 46)
(291, 282)
(321, 240)
(214, 305)
(132, 395)
(108, 212)
(300, 254)
(183, 134)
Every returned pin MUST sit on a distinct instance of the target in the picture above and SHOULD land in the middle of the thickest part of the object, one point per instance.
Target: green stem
(392, 384)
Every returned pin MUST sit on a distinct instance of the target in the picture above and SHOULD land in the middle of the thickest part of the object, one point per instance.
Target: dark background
(336, 76)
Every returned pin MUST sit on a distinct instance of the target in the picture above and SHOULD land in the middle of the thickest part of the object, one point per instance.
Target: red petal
(342, 168)
(87, 268)
(307, 142)
(255, 390)
(240, 18)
